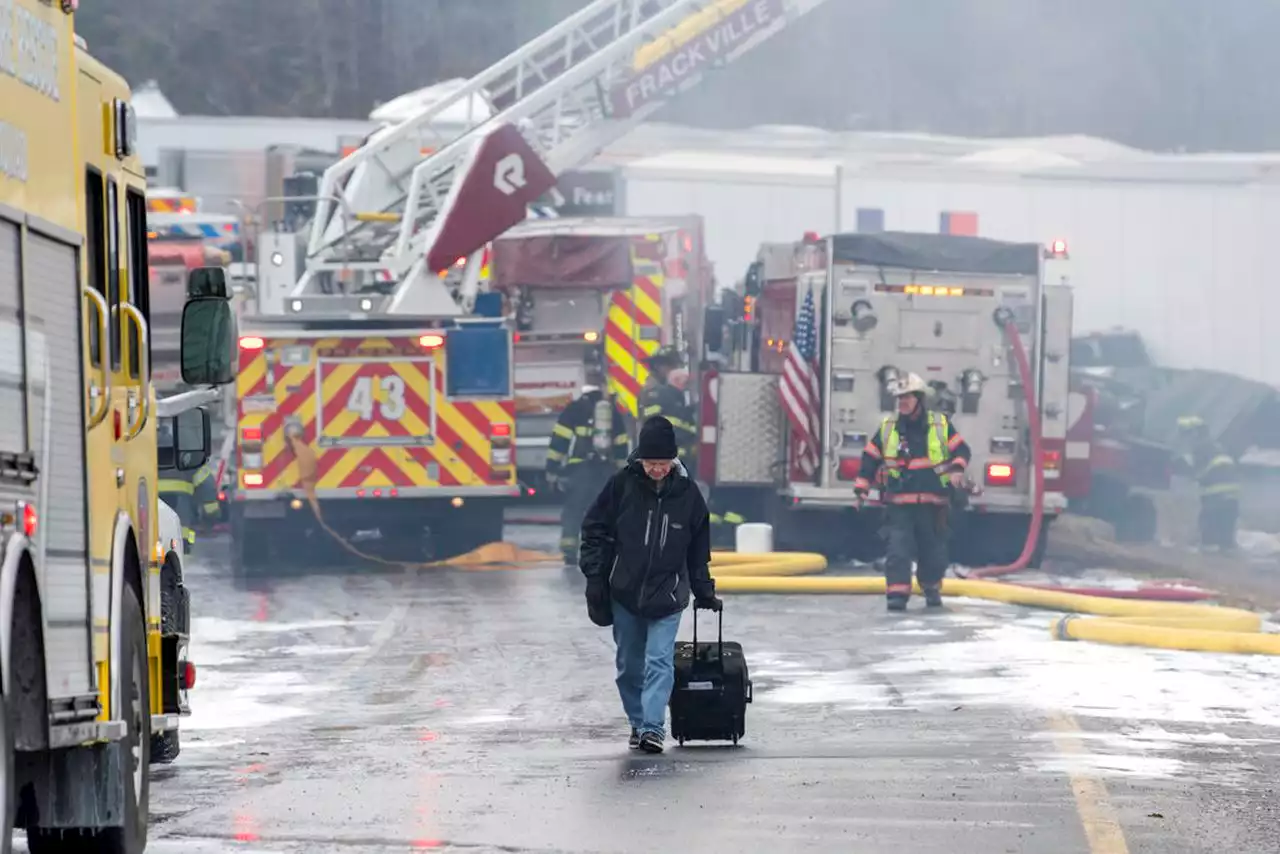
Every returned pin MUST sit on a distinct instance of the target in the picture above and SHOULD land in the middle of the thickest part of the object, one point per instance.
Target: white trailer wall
(744, 201)
(1178, 251)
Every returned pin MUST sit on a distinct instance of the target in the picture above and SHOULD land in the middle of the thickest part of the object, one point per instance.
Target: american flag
(799, 388)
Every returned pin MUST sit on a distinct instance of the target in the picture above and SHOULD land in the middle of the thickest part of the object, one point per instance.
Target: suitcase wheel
(680, 741)
(735, 738)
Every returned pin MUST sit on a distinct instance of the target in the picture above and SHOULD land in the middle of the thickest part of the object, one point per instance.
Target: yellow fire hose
(1126, 622)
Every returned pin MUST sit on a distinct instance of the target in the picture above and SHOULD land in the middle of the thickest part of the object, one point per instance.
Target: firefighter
(661, 397)
(923, 459)
(1215, 474)
(193, 496)
(588, 444)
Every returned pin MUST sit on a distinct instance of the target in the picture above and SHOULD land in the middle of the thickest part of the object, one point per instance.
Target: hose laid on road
(768, 564)
(1126, 622)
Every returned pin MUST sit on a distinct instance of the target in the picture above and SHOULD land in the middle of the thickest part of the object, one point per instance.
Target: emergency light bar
(935, 290)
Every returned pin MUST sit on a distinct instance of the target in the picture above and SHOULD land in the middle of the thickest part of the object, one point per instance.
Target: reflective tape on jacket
(939, 450)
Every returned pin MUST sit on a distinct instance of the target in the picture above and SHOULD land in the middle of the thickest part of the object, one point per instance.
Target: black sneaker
(933, 597)
(896, 603)
(634, 741)
(651, 742)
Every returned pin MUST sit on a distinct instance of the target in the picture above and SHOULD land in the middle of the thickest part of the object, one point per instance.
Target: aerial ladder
(425, 195)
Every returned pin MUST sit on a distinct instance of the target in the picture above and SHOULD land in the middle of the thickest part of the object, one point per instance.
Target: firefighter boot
(933, 596)
(896, 596)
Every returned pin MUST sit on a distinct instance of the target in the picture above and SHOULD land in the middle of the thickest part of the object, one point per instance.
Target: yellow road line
(1093, 802)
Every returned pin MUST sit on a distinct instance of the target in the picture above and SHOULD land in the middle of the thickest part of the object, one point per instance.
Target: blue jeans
(646, 667)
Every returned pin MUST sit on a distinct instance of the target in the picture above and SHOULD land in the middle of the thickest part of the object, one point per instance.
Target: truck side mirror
(208, 342)
(208, 282)
(184, 441)
(713, 318)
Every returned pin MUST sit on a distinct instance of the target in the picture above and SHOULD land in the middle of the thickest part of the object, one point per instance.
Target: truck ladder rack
(566, 95)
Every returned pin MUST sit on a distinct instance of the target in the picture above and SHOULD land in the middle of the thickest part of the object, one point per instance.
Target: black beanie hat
(657, 440)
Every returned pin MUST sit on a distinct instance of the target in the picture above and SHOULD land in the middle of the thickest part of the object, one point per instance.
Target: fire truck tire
(131, 837)
(249, 544)
(8, 801)
(481, 526)
(1137, 520)
(165, 747)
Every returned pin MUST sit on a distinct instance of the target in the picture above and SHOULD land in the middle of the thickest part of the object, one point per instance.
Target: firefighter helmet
(910, 384)
(665, 357)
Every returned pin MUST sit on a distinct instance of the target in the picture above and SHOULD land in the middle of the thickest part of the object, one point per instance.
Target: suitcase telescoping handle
(719, 633)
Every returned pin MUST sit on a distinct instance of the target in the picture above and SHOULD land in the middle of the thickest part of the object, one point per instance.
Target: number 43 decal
(391, 407)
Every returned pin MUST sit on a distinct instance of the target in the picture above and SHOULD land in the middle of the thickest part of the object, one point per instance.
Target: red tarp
(562, 260)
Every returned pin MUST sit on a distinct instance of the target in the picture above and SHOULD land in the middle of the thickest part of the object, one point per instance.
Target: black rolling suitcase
(712, 689)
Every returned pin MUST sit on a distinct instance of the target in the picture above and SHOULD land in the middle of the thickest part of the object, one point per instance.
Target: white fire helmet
(910, 384)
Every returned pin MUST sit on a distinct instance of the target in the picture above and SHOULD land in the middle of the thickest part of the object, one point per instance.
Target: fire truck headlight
(296, 305)
(864, 316)
(277, 259)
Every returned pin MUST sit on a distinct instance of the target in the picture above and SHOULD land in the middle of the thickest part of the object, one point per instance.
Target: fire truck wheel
(480, 527)
(249, 544)
(136, 702)
(131, 838)
(165, 747)
(7, 800)
(175, 602)
(1137, 521)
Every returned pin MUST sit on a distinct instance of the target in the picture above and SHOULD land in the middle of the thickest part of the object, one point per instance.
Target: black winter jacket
(652, 541)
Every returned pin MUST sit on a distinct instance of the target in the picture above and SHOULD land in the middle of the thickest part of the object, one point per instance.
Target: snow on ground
(1151, 702)
(1011, 659)
(230, 694)
(1259, 545)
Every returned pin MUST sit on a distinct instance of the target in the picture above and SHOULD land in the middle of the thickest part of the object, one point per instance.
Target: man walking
(922, 458)
(646, 545)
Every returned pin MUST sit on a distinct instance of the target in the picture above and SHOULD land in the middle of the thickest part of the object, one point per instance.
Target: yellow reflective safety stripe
(561, 430)
(185, 487)
(937, 441)
(1221, 489)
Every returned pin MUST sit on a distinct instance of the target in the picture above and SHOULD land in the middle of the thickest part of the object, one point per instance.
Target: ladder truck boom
(419, 195)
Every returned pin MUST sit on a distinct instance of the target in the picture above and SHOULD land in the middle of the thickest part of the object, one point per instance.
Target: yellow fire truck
(89, 674)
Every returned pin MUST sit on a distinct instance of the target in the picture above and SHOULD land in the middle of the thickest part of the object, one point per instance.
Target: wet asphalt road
(475, 711)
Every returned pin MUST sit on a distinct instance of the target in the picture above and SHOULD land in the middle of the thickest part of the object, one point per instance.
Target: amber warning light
(251, 342)
(430, 342)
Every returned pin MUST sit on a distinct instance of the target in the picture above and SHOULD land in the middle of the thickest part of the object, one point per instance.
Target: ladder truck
(372, 377)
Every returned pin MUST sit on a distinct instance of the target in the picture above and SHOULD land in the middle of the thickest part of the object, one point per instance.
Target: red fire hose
(1005, 319)
(1168, 594)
